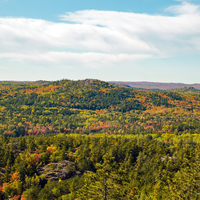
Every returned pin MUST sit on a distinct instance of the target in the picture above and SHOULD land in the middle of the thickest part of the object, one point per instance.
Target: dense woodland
(90, 139)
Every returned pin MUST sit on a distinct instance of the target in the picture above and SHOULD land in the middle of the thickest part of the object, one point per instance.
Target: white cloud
(185, 8)
(92, 38)
(90, 59)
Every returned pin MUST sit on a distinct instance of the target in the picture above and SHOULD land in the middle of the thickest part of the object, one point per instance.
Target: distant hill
(156, 85)
(93, 106)
(14, 84)
(187, 90)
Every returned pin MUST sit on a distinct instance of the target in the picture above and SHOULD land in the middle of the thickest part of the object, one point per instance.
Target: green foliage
(118, 143)
(106, 183)
(120, 166)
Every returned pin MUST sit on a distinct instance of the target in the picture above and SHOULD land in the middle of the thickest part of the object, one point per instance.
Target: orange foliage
(22, 197)
(15, 176)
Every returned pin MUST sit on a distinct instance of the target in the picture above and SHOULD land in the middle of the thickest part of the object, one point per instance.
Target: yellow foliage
(51, 149)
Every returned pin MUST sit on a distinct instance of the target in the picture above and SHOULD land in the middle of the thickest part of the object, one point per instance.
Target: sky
(132, 40)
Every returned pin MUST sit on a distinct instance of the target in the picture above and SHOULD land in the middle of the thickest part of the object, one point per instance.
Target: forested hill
(187, 90)
(14, 84)
(93, 106)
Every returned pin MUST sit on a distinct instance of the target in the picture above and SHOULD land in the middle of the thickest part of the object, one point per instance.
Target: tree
(106, 183)
(22, 144)
(185, 184)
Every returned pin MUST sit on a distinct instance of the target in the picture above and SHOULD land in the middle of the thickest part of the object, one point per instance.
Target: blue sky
(132, 40)
(49, 10)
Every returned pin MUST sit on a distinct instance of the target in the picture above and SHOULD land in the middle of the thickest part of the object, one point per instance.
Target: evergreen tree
(107, 183)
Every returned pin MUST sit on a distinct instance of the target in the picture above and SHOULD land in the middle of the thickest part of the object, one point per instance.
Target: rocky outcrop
(56, 171)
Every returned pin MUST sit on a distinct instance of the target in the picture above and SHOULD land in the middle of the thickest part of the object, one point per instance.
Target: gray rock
(59, 171)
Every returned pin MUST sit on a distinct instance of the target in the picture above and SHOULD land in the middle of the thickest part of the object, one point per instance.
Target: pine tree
(107, 183)
(185, 184)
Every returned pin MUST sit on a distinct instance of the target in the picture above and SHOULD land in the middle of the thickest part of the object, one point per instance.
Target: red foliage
(17, 197)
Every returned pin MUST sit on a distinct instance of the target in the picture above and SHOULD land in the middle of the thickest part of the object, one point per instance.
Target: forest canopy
(90, 139)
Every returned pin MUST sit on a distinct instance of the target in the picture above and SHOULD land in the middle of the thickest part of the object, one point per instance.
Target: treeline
(22, 84)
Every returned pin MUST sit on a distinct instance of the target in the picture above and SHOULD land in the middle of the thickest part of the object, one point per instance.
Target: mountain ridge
(155, 85)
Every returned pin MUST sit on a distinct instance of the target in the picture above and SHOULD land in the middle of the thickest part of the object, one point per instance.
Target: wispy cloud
(185, 8)
(92, 38)
(67, 59)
